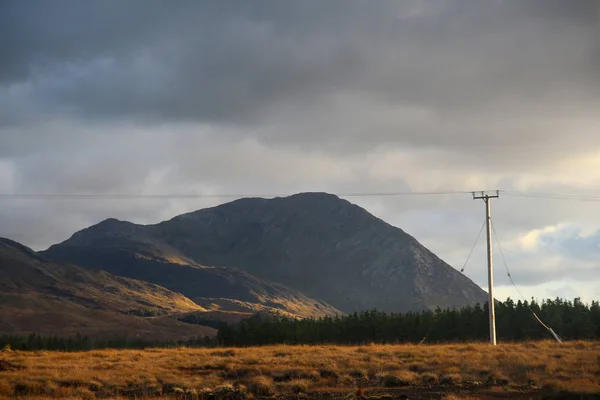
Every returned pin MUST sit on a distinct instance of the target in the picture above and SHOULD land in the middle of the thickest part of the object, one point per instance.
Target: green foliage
(514, 322)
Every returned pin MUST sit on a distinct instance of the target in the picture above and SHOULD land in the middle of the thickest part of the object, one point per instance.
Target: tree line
(571, 320)
(79, 342)
(514, 322)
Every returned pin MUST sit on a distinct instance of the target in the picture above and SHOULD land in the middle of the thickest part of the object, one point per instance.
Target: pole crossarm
(485, 195)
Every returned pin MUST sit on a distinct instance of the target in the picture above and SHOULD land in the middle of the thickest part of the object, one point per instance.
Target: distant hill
(323, 247)
(129, 250)
(40, 296)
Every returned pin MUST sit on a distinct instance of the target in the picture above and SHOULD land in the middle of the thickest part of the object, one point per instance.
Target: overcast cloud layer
(339, 96)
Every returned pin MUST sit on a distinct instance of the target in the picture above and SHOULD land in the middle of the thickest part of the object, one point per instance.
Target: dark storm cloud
(238, 62)
(193, 60)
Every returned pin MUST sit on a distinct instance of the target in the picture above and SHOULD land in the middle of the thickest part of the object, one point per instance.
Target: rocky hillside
(133, 251)
(37, 295)
(318, 244)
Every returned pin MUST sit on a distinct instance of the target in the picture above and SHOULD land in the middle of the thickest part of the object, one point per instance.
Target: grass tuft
(328, 373)
(397, 380)
(428, 378)
(261, 386)
(295, 387)
(226, 353)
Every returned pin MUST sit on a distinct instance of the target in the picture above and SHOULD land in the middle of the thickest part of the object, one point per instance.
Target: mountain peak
(112, 221)
(5, 242)
(317, 243)
(11, 249)
(313, 196)
(107, 231)
(111, 224)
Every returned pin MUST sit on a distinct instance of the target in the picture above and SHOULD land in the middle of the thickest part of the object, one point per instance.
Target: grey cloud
(41, 224)
(574, 245)
(67, 31)
(234, 63)
(587, 248)
(73, 158)
(544, 270)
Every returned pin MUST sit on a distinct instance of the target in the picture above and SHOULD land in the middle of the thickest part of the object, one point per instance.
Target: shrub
(450, 379)
(299, 387)
(328, 373)
(428, 378)
(84, 393)
(393, 381)
(226, 353)
(345, 380)
(356, 373)
(290, 374)
(242, 372)
(260, 386)
(296, 387)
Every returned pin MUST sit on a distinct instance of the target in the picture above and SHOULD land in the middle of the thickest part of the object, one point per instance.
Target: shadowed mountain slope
(133, 251)
(49, 298)
(316, 243)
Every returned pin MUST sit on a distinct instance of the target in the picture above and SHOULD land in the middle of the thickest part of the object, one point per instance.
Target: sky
(343, 96)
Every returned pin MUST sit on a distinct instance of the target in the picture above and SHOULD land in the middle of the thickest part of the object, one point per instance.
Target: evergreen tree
(514, 322)
(571, 320)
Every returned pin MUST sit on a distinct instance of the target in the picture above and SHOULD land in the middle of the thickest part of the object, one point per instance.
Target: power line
(473, 247)
(551, 196)
(504, 262)
(134, 196)
(167, 196)
(517, 289)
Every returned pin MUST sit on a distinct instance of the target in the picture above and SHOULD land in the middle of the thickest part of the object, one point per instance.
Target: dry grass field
(468, 371)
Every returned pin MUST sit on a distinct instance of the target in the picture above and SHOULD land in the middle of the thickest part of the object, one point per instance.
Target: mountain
(133, 251)
(48, 298)
(315, 243)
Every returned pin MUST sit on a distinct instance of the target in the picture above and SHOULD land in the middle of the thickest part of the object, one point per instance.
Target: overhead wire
(549, 329)
(462, 270)
(551, 196)
(132, 196)
(163, 196)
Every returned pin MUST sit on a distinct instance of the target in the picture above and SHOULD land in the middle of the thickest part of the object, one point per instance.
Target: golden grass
(293, 370)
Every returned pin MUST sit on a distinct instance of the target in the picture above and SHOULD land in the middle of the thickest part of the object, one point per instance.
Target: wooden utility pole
(486, 197)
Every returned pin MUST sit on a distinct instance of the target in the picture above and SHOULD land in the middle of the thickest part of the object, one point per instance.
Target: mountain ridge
(140, 255)
(38, 295)
(324, 247)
